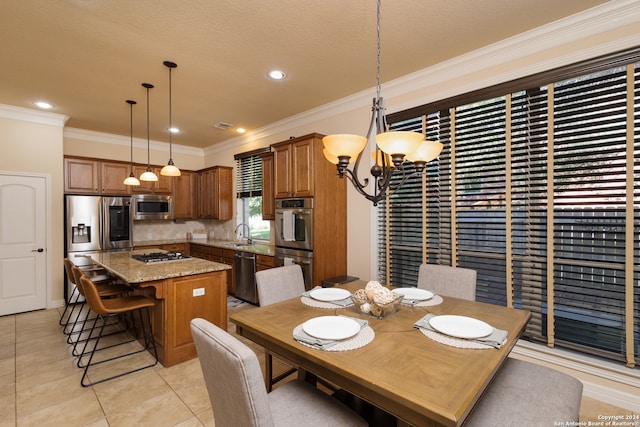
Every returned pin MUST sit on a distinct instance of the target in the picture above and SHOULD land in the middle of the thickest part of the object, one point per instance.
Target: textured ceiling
(88, 56)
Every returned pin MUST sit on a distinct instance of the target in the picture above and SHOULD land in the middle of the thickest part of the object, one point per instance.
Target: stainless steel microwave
(152, 206)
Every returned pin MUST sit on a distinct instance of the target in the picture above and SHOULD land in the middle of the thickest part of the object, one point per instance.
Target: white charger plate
(460, 326)
(415, 294)
(329, 294)
(331, 327)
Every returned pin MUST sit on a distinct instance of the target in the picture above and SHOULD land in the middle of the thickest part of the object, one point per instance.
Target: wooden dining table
(418, 380)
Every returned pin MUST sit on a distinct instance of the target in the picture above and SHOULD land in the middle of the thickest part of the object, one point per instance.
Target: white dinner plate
(331, 327)
(460, 326)
(329, 294)
(414, 293)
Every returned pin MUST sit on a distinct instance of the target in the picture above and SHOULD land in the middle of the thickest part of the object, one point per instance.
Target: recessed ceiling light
(174, 130)
(277, 74)
(241, 130)
(44, 105)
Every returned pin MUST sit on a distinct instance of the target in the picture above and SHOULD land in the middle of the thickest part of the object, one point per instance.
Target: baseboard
(605, 381)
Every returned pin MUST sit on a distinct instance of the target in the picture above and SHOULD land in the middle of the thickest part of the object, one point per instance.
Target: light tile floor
(40, 384)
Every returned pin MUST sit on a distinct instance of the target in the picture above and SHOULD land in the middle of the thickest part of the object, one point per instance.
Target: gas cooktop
(159, 257)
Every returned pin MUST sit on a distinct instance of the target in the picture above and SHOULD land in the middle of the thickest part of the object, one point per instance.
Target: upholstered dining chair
(449, 281)
(275, 285)
(106, 308)
(527, 395)
(238, 395)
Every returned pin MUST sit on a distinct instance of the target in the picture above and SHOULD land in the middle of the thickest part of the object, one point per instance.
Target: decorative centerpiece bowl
(376, 301)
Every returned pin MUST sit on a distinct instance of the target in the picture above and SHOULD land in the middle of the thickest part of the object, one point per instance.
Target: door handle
(38, 250)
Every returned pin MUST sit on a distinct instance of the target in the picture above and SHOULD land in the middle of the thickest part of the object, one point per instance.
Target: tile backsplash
(144, 231)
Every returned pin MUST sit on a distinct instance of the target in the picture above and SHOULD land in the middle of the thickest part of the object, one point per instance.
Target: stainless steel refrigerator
(96, 223)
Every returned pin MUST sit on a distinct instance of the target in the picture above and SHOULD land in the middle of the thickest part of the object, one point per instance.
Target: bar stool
(106, 309)
(106, 289)
(74, 298)
(75, 335)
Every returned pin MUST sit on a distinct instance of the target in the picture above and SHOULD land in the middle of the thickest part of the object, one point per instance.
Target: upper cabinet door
(113, 176)
(282, 187)
(164, 184)
(81, 176)
(293, 168)
(302, 156)
(268, 201)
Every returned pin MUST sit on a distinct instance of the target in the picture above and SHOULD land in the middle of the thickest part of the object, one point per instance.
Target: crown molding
(589, 23)
(109, 138)
(33, 116)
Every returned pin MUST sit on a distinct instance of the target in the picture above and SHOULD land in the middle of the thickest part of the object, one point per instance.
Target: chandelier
(392, 148)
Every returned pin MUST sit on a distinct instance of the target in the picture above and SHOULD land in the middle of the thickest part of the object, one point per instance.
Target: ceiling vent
(222, 125)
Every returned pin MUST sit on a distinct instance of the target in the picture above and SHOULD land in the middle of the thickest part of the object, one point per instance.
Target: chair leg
(269, 379)
(149, 342)
(73, 299)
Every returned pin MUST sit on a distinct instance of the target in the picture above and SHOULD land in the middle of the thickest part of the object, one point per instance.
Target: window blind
(249, 173)
(554, 228)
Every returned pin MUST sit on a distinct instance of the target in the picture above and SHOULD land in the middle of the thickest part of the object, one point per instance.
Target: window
(538, 190)
(249, 193)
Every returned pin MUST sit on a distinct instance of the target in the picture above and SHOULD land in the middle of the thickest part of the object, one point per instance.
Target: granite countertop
(130, 270)
(256, 248)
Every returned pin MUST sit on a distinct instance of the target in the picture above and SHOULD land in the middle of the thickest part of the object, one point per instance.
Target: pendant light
(392, 147)
(131, 179)
(148, 175)
(170, 169)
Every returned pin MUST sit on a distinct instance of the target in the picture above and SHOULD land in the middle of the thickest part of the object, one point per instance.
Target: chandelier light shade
(131, 179)
(427, 151)
(148, 175)
(344, 144)
(170, 169)
(392, 148)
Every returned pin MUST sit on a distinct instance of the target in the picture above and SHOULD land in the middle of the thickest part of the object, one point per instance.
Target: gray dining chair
(449, 281)
(527, 395)
(239, 398)
(275, 285)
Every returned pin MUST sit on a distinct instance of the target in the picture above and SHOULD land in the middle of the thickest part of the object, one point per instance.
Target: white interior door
(23, 263)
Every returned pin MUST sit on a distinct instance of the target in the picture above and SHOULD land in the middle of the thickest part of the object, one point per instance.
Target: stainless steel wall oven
(294, 235)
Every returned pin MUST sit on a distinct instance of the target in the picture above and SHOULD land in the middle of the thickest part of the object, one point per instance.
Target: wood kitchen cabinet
(81, 176)
(185, 200)
(301, 170)
(225, 256)
(268, 201)
(112, 176)
(94, 176)
(176, 304)
(215, 193)
(228, 257)
(265, 262)
(164, 184)
(293, 167)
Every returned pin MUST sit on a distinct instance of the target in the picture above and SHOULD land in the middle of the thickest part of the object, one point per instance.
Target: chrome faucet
(249, 239)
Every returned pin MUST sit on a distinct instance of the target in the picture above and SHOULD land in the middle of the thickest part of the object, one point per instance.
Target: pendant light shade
(131, 179)
(170, 169)
(148, 175)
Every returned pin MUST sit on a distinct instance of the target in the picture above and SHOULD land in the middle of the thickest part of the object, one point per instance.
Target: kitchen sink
(239, 244)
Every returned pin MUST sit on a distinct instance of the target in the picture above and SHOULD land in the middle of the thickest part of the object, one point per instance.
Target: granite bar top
(130, 270)
(256, 248)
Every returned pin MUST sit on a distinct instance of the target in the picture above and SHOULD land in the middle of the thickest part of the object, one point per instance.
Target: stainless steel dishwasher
(245, 271)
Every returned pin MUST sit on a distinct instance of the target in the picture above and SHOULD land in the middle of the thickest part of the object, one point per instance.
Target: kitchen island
(181, 289)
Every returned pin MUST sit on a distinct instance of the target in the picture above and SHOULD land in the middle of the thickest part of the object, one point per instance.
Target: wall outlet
(198, 292)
